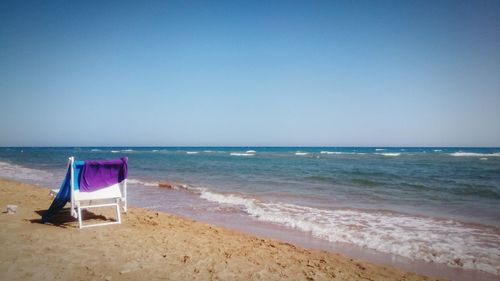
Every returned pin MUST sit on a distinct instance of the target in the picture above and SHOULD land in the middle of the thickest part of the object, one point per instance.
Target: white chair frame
(117, 193)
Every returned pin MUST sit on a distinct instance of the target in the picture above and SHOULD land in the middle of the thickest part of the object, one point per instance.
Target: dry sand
(155, 246)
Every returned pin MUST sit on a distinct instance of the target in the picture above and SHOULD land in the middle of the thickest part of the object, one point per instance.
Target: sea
(435, 206)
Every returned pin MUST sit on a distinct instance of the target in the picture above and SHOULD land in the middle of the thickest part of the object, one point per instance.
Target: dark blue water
(434, 204)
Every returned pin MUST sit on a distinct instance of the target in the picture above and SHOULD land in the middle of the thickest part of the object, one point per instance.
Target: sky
(250, 73)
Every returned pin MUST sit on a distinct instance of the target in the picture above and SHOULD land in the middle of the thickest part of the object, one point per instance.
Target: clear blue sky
(370, 73)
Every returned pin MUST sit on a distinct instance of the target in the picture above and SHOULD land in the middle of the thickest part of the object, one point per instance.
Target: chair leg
(79, 216)
(124, 205)
(118, 216)
(73, 210)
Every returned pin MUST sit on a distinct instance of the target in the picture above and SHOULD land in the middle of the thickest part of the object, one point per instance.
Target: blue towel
(64, 195)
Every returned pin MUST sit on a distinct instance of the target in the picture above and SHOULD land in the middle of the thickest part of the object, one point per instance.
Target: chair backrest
(107, 192)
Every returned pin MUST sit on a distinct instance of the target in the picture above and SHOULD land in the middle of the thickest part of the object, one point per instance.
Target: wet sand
(156, 246)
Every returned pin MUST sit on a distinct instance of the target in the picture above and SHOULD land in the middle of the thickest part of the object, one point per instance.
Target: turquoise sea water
(432, 204)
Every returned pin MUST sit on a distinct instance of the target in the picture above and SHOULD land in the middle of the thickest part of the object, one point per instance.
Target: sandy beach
(156, 246)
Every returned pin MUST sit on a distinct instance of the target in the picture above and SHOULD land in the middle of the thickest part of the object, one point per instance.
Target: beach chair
(86, 182)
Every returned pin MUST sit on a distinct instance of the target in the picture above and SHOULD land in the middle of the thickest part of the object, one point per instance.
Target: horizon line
(267, 146)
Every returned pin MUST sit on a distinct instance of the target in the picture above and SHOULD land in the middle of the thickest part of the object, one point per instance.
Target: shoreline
(157, 245)
(246, 224)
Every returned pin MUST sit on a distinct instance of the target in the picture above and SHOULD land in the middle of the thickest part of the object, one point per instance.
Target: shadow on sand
(64, 218)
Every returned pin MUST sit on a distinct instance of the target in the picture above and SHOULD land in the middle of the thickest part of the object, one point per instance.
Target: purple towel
(102, 173)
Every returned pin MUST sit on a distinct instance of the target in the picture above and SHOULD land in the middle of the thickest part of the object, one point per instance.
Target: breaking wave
(141, 182)
(341, 153)
(17, 172)
(390, 154)
(473, 154)
(241, 154)
(161, 184)
(423, 238)
(332, 152)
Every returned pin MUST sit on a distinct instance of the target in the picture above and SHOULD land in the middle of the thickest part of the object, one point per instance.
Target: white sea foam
(17, 172)
(422, 238)
(438, 150)
(171, 185)
(301, 153)
(230, 199)
(192, 152)
(115, 151)
(251, 151)
(379, 149)
(341, 153)
(134, 181)
(241, 154)
(127, 150)
(95, 150)
(145, 183)
(332, 152)
(472, 154)
(483, 158)
(390, 154)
